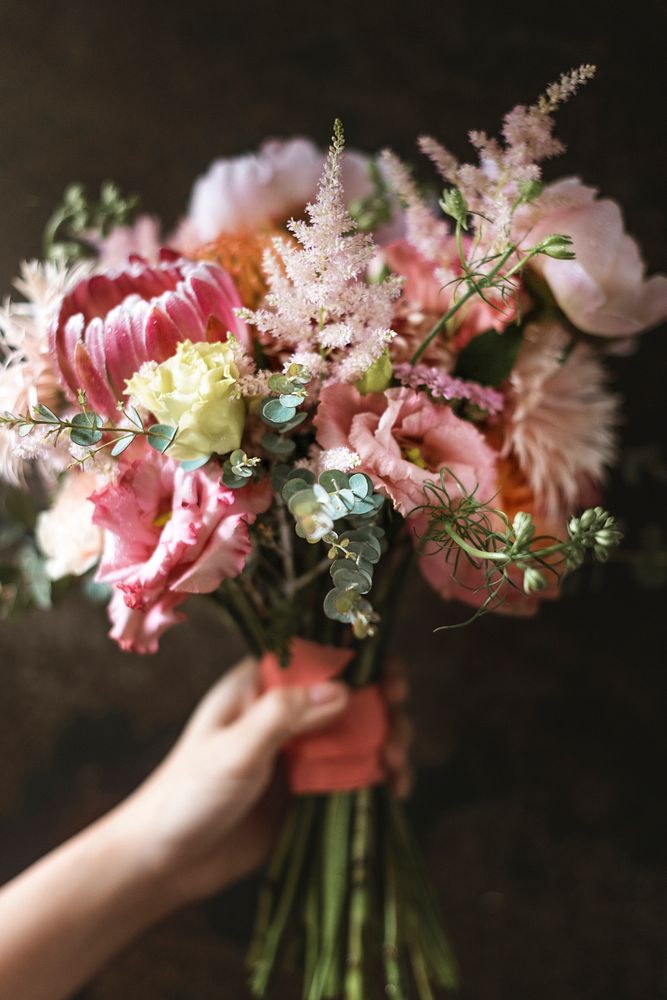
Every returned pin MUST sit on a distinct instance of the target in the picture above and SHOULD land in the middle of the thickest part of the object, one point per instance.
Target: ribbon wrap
(347, 754)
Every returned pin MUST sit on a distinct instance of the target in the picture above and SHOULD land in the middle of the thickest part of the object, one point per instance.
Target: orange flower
(241, 254)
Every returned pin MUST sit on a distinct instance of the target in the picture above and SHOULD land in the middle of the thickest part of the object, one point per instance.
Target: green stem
(267, 892)
(393, 985)
(266, 961)
(475, 553)
(245, 618)
(359, 902)
(442, 322)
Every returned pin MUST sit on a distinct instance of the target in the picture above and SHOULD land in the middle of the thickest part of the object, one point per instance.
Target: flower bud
(533, 580)
(454, 204)
(523, 529)
(557, 245)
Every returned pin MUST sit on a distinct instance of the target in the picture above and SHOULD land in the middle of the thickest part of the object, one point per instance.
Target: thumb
(282, 713)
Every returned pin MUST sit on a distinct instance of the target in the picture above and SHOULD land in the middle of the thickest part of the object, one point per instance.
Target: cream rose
(196, 392)
(66, 533)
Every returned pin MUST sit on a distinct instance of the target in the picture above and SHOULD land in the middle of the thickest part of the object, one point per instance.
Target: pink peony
(604, 290)
(428, 292)
(108, 325)
(169, 533)
(254, 190)
(403, 440)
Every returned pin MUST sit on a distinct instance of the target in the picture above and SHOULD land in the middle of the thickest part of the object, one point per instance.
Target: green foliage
(67, 237)
(375, 209)
(316, 506)
(490, 357)
(454, 204)
(289, 391)
(462, 527)
(238, 470)
(160, 436)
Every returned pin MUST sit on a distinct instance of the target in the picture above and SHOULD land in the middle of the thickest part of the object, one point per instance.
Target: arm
(199, 822)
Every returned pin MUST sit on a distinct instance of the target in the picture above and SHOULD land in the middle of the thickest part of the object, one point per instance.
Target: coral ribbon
(347, 754)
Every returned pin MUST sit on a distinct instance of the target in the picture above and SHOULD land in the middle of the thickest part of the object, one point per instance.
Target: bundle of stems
(345, 896)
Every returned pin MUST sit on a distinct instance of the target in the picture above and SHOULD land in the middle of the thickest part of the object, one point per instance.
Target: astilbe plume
(506, 168)
(320, 307)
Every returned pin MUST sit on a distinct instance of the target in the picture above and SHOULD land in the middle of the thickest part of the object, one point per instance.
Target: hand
(209, 813)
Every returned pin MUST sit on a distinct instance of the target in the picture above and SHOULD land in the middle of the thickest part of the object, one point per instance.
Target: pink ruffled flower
(605, 289)
(168, 534)
(250, 191)
(108, 325)
(428, 292)
(403, 440)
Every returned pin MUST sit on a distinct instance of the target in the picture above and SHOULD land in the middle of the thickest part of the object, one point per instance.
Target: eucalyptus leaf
(85, 429)
(195, 463)
(160, 436)
(122, 444)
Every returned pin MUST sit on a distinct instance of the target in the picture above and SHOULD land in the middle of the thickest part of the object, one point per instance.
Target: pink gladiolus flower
(108, 325)
(168, 534)
(604, 290)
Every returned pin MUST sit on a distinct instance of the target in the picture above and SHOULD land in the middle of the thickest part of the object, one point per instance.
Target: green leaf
(361, 485)
(47, 413)
(305, 474)
(331, 609)
(333, 480)
(294, 486)
(290, 399)
(122, 444)
(85, 430)
(281, 384)
(279, 477)
(274, 412)
(195, 463)
(297, 419)
(160, 436)
(490, 357)
(281, 447)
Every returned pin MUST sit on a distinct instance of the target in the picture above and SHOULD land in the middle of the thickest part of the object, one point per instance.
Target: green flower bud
(454, 204)
(378, 377)
(523, 529)
(530, 190)
(558, 246)
(533, 580)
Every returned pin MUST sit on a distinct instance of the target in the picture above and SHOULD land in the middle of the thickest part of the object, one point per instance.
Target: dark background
(540, 802)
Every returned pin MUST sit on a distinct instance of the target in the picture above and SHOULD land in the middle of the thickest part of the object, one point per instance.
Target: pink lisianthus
(604, 290)
(168, 534)
(403, 441)
(429, 291)
(108, 325)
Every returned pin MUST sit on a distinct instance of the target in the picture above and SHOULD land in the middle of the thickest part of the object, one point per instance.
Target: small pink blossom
(447, 387)
(108, 325)
(604, 290)
(66, 533)
(168, 534)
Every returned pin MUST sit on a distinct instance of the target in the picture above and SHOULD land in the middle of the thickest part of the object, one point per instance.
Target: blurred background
(541, 743)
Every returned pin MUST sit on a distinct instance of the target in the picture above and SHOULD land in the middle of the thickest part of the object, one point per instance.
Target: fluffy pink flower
(403, 440)
(108, 325)
(427, 294)
(605, 289)
(168, 534)
(247, 192)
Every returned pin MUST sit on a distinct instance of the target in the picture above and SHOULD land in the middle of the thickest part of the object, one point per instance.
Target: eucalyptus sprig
(288, 393)
(316, 505)
(464, 527)
(87, 429)
(67, 233)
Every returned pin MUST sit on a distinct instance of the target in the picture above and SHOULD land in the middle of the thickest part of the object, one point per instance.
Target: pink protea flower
(403, 440)
(108, 325)
(168, 534)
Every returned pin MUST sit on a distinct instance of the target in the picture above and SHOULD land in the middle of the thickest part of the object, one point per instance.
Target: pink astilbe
(560, 419)
(492, 188)
(319, 304)
(430, 235)
(441, 385)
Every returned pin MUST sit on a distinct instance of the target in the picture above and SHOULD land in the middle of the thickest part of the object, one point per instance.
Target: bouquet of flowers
(290, 415)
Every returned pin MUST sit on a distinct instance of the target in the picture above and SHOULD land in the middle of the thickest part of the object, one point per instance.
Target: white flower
(604, 290)
(66, 533)
(250, 191)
